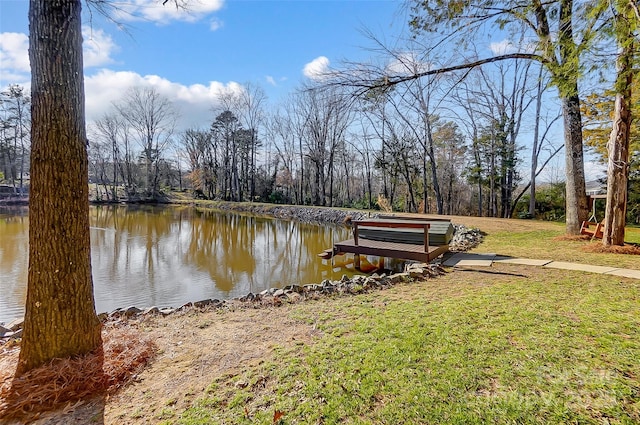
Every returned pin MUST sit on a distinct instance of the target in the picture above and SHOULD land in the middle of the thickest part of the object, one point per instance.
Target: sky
(218, 46)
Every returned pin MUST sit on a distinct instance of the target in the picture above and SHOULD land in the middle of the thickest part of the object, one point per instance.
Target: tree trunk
(618, 145)
(535, 148)
(577, 207)
(60, 319)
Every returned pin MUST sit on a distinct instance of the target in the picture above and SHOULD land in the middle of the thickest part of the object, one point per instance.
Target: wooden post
(426, 238)
(356, 261)
(355, 233)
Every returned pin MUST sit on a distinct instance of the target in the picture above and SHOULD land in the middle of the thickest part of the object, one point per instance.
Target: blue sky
(194, 58)
(219, 46)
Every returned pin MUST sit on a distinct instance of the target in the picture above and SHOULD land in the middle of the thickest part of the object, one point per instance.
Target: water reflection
(162, 256)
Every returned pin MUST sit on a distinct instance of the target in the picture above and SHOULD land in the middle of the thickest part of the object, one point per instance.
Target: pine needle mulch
(64, 381)
(596, 247)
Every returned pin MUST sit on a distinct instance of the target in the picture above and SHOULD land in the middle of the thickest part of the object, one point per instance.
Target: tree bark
(60, 319)
(618, 145)
(576, 202)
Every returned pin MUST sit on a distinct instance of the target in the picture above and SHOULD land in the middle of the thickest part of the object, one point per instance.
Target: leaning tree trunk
(577, 207)
(618, 145)
(60, 318)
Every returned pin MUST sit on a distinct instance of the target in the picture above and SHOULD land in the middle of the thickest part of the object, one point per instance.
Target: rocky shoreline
(304, 214)
(463, 239)
(272, 297)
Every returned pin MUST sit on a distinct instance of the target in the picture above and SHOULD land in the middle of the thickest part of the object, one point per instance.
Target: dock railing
(392, 224)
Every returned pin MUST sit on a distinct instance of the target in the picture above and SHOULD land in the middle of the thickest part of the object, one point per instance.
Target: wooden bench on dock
(395, 238)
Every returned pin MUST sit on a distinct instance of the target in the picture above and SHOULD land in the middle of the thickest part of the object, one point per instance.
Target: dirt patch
(194, 349)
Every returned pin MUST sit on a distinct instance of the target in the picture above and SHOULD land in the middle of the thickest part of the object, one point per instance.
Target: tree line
(433, 145)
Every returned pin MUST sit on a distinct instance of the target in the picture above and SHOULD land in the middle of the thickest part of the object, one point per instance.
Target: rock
(132, 311)
(359, 279)
(399, 277)
(202, 303)
(4, 331)
(15, 324)
(344, 278)
(151, 310)
(294, 297)
(185, 306)
(415, 273)
(167, 311)
(265, 292)
(116, 313)
(464, 238)
(294, 288)
(278, 293)
(249, 297)
(329, 284)
(13, 335)
(103, 317)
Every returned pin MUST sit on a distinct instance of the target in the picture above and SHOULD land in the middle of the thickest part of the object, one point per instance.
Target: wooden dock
(405, 250)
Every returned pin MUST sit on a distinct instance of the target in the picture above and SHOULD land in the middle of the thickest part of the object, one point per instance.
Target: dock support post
(356, 261)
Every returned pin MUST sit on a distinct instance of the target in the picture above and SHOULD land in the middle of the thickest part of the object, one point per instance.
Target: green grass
(469, 348)
(547, 243)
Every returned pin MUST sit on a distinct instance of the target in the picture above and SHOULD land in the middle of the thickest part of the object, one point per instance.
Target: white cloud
(271, 80)
(502, 47)
(215, 24)
(407, 63)
(14, 54)
(506, 47)
(98, 47)
(317, 69)
(14, 58)
(194, 102)
(173, 10)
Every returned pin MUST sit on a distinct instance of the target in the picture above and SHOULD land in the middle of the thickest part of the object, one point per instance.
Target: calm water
(167, 256)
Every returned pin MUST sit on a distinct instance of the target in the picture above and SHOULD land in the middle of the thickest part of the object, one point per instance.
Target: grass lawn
(504, 345)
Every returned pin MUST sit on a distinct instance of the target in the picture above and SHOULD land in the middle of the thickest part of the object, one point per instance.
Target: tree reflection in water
(146, 255)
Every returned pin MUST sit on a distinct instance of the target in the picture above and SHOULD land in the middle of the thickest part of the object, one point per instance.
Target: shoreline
(305, 214)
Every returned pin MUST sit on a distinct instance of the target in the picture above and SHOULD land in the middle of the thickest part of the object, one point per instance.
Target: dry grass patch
(572, 238)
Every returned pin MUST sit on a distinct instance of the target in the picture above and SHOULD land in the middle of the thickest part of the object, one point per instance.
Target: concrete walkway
(465, 259)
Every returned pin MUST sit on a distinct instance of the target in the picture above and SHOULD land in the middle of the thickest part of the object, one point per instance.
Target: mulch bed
(65, 381)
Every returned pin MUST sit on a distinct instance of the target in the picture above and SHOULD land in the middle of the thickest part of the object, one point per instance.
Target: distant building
(596, 187)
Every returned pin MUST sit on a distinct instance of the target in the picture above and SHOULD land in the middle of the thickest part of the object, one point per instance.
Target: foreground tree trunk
(618, 145)
(577, 207)
(60, 319)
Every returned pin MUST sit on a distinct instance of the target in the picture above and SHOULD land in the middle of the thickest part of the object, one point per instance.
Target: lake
(167, 256)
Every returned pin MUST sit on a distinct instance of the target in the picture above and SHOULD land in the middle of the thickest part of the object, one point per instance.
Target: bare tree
(151, 119)
(14, 135)
(110, 131)
(251, 103)
(327, 114)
